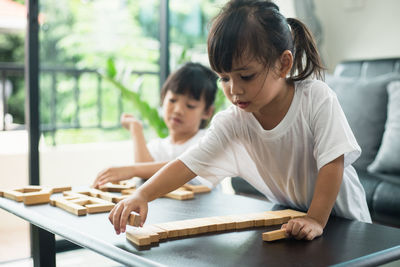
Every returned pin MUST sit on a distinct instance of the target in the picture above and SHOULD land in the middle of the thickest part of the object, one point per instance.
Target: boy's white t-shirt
(162, 149)
(283, 163)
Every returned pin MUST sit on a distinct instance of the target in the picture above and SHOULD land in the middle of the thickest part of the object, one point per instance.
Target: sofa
(369, 93)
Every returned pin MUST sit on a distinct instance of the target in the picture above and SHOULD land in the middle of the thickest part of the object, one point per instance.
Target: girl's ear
(208, 113)
(286, 62)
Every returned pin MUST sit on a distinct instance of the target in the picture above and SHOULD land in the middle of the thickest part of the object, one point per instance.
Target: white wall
(359, 29)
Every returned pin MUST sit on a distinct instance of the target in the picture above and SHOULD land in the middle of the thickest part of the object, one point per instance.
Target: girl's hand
(120, 213)
(303, 228)
(113, 174)
(129, 122)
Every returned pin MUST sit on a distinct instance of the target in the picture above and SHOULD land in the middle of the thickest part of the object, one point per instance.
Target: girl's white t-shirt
(283, 163)
(162, 149)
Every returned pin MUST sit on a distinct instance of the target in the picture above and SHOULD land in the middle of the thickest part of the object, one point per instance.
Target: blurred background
(80, 108)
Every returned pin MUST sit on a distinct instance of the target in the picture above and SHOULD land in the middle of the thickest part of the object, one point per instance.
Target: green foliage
(148, 113)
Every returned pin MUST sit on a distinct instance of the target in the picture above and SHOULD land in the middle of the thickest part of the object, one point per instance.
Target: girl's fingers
(117, 218)
(143, 214)
(304, 232)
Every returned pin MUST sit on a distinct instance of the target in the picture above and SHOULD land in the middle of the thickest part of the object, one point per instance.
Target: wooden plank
(172, 230)
(59, 189)
(13, 195)
(274, 235)
(291, 213)
(180, 194)
(117, 187)
(274, 218)
(128, 191)
(99, 207)
(134, 219)
(68, 206)
(35, 198)
(197, 188)
(139, 236)
(162, 233)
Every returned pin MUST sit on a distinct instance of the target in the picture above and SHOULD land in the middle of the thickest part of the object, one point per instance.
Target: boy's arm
(134, 126)
(115, 174)
(140, 151)
(325, 193)
(167, 179)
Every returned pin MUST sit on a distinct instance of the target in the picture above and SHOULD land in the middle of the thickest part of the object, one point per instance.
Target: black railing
(10, 69)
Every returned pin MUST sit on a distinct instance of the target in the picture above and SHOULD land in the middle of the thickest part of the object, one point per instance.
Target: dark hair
(195, 80)
(258, 28)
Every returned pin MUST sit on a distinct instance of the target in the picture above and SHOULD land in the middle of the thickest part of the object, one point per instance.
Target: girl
(285, 134)
(187, 98)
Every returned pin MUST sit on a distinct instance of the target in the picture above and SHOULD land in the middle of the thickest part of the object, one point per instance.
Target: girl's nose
(179, 107)
(235, 89)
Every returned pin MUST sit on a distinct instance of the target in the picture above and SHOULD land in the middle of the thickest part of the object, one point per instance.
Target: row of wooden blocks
(152, 234)
(33, 194)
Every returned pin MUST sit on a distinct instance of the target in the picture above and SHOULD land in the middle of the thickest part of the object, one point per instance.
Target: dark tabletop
(344, 242)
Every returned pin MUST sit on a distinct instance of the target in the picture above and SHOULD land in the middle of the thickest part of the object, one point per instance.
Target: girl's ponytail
(306, 58)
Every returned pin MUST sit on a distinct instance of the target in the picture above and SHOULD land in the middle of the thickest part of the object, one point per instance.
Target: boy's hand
(129, 122)
(113, 174)
(303, 228)
(120, 213)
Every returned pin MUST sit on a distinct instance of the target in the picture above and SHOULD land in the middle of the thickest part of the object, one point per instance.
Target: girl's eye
(223, 80)
(191, 106)
(172, 100)
(247, 78)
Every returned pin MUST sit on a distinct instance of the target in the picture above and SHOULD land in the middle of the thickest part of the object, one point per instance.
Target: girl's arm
(167, 179)
(143, 170)
(134, 126)
(325, 193)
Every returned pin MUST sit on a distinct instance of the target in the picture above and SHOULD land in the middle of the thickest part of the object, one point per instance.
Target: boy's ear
(208, 113)
(286, 63)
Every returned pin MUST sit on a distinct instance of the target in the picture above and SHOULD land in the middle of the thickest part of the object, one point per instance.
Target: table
(344, 242)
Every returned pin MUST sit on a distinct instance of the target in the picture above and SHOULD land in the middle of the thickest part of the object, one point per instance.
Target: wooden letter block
(180, 194)
(134, 219)
(118, 187)
(197, 188)
(274, 235)
(139, 236)
(30, 195)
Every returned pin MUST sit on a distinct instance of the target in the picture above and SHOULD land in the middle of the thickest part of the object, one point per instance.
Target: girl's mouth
(242, 105)
(176, 120)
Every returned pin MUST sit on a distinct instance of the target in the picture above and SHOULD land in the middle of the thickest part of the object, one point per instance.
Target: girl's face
(183, 114)
(250, 85)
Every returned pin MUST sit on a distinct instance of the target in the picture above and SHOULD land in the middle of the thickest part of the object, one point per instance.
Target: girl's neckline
(281, 127)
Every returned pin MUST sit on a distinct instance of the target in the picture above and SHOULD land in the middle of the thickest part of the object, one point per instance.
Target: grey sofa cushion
(364, 101)
(388, 157)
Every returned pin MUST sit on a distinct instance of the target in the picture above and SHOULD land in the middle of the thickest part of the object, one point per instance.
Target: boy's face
(183, 114)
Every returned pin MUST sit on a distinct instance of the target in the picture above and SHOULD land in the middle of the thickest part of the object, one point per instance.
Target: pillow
(364, 102)
(388, 158)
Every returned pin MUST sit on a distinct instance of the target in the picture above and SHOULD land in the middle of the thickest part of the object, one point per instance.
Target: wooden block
(221, 223)
(162, 233)
(134, 219)
(274, 235)
(192, 228)
(273, 218)
(68, 206)
(259, 219)
(118, 187)
(34, 198)
(291, 213)
(13, 195)
(242, 221)
(230, 223)
(197, 188)
(180, 194)
(30, 195)
(99, 207)
(1, 193)
(172, 230)
(59, 189)
(128, 191)
(139, 236)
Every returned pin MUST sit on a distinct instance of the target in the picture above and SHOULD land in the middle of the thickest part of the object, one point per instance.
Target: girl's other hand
(303, 228)
(113, 174)
(120, 213)
(129, 122)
